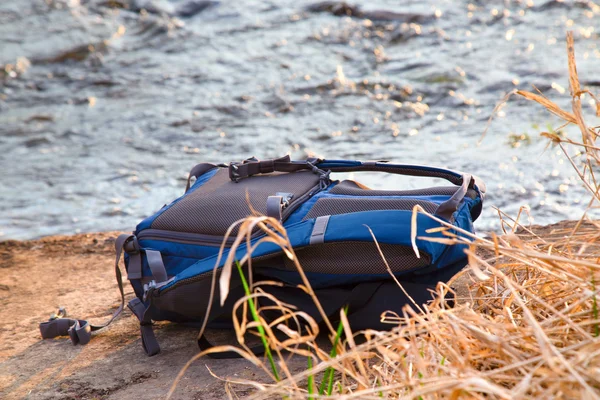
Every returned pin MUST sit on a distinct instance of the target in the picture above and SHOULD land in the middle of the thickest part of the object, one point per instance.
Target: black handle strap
(446, 209)
(456, 178)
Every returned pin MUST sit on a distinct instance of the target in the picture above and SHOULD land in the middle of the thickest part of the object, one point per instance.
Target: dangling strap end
(79, 330)
(149, 342)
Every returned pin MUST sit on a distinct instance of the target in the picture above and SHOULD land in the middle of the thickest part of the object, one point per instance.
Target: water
(108, 108)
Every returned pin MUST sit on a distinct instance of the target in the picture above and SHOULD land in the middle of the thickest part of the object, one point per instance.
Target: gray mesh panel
(333, 206)
(348, 258)
(214, 206)
(190, 300)
(352, 188)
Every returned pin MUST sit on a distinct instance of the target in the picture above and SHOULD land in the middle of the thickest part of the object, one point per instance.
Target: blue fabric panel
(173, 248)
(305, 208)
(298, 234)
(147, 223)
(462, 219)
(388, 226)
(338, 163)
(176, 256)
(391, 227)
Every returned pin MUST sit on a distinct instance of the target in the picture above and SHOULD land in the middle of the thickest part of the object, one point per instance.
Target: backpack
(331, 225)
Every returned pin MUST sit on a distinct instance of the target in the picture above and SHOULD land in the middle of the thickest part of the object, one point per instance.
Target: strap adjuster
(61, 313)
(234, 174)
(131, 245)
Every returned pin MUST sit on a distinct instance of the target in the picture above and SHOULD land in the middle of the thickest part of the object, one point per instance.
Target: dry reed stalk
(527, 329)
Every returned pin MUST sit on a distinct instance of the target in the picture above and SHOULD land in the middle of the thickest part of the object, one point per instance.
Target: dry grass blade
(527, 327)
(550, 106)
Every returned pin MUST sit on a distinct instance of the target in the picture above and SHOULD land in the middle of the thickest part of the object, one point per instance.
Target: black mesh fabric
(334, 206)
(214, 206)
(348, 258)
(352, 188)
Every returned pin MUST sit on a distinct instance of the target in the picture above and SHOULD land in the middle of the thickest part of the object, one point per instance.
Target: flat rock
(77, 272)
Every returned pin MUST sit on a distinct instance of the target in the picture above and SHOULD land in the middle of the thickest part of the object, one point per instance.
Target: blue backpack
(171, 256)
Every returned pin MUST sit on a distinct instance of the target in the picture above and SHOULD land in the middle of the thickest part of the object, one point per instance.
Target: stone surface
(76, 272)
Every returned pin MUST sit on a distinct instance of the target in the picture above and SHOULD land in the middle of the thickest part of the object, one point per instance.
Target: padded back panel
(211, 208)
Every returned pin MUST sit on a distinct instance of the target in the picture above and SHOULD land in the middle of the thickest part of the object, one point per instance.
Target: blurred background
(106, 105)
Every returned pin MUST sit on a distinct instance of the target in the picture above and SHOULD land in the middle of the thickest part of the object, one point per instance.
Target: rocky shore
(76, 272)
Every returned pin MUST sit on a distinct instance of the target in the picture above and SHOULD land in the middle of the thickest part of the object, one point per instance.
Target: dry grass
(529, 328)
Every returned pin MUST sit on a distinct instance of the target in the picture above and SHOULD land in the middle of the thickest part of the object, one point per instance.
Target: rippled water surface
(104, 107)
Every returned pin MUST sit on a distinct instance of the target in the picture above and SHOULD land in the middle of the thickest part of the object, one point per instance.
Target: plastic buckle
(233, 171)
(285, 198)
(61, 313)
(148, 288)
(131, 245)
(251, 159)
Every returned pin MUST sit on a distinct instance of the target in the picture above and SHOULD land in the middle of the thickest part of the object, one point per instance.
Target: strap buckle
(61, 313)
(131, 245)
(234, 174)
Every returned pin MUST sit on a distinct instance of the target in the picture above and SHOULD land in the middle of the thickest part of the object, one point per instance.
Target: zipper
(291, 206)
(152, 286)
(183, 237)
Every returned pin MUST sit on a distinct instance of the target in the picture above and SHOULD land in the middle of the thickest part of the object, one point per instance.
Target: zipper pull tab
(148, 289)
(285, 198)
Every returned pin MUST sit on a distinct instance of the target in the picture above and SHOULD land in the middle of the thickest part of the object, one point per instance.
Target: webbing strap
(79, 330)
(447, 208)
(132, 248)
(149, 342)
(198, 170)
(155, 262)
(318, 232)
(251, 167)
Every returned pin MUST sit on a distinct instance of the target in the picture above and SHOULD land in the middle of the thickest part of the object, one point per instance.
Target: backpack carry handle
(446, 209)
(456, 178)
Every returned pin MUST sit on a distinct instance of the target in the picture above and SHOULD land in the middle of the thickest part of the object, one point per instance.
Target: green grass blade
(328, 376)
(261, 330)
(311, 379)
(380, 393)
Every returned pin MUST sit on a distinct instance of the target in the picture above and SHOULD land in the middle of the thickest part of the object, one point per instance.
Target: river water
(105, 105)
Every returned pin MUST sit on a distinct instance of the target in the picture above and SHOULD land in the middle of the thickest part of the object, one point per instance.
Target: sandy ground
(77, 272)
